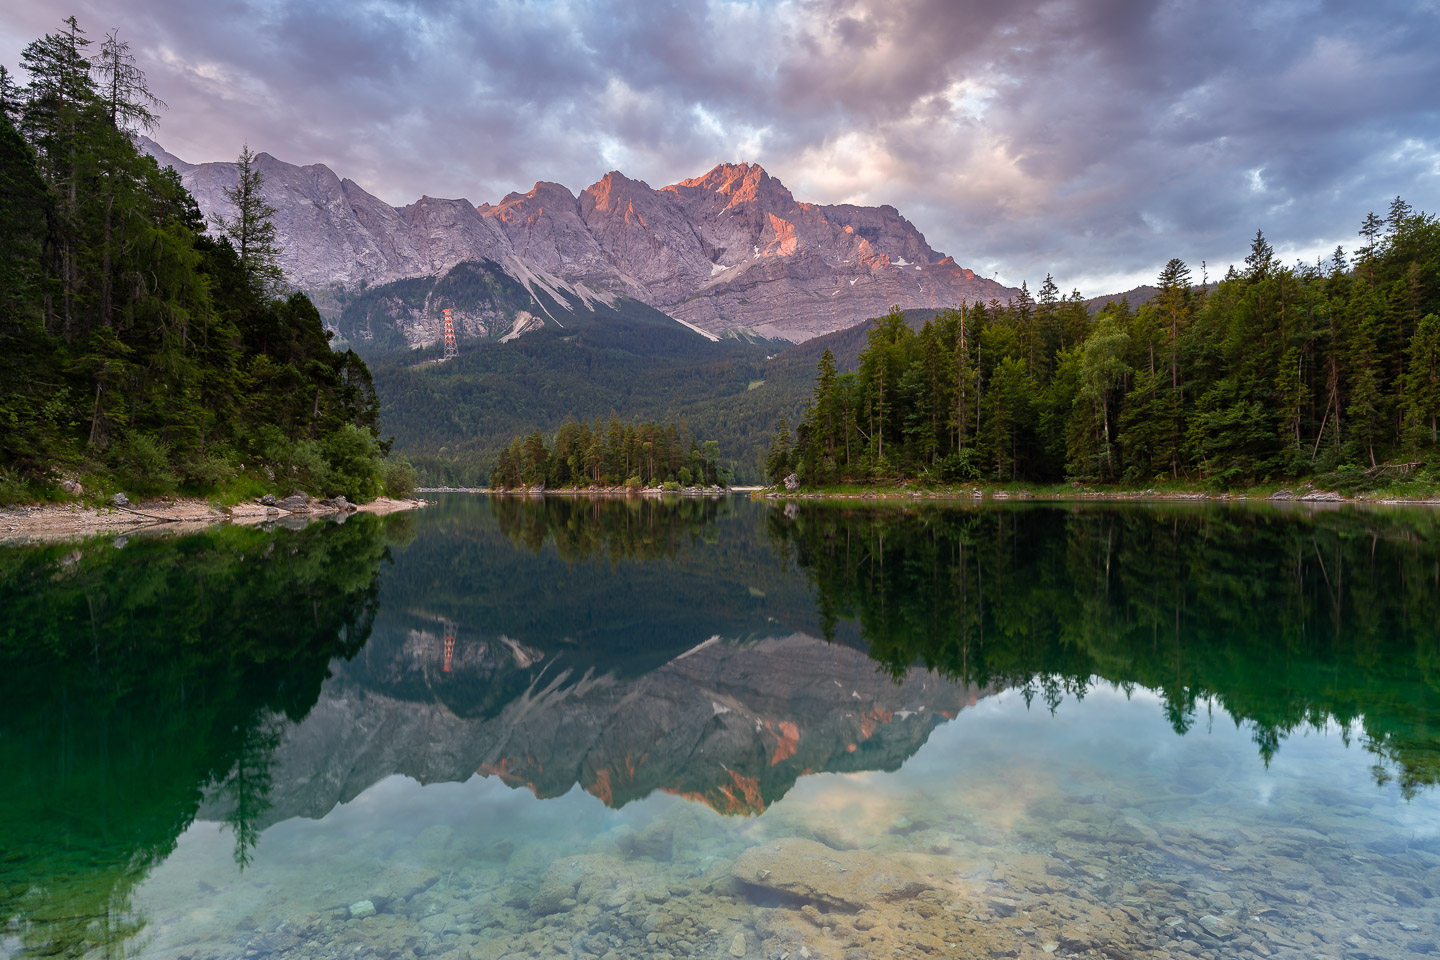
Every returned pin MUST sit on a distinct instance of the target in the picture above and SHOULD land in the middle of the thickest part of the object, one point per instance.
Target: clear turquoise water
(1037, 731)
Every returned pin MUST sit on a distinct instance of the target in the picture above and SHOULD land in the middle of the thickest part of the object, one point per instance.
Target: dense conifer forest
(136, 350)
(1329, 372)
(613, 454)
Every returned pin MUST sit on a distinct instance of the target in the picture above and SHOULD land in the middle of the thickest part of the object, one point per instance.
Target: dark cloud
(1093, 139)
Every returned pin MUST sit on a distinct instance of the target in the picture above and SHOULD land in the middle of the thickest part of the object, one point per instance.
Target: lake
(723, 728)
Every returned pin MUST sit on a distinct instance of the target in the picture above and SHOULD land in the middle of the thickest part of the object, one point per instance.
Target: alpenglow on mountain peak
(729, 250)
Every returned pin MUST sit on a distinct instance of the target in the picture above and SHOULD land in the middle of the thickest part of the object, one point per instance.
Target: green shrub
(670, 485)
(305, 465)
(353, 457)
(12, 491)
(142, 463)
(399, 478)
(209, 471)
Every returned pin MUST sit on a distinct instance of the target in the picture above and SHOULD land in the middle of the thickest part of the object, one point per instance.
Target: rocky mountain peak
(731, 249)
(545, 195)
(735, 184)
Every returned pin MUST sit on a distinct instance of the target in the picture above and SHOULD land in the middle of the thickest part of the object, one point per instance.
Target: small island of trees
(610, 455)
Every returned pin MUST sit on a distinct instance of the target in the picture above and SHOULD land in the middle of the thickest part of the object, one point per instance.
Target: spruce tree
(252, 226)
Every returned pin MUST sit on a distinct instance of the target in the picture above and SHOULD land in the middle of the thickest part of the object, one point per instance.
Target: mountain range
(715, 724)
(731, 251)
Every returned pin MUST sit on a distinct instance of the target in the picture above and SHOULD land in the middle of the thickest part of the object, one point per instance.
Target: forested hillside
(1279, 373)
(453, 418)
(136, 351)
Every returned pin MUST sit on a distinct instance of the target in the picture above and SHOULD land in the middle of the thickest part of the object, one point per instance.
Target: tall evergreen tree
(251, 228)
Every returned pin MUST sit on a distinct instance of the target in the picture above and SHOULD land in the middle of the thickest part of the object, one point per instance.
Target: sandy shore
(67, 521)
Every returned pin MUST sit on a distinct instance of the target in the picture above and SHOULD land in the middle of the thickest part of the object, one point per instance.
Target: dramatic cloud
(1093, 140)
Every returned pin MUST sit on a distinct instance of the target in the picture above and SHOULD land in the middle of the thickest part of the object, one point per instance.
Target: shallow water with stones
(718, 728)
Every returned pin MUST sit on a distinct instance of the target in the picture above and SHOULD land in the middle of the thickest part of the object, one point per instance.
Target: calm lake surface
(560, 728)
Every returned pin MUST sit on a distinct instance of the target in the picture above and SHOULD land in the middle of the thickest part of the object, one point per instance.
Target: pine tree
(1422, 382)
(777, 459)
(126, 95)
(1370, 230)
(1102, 367)
(1399, 212)
(1260, 261)
(252, 227)
(59, 105)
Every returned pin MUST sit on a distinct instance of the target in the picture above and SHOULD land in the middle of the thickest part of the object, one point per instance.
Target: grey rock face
(740, 707)
(732, 249)
(295, 503)
(120, 500)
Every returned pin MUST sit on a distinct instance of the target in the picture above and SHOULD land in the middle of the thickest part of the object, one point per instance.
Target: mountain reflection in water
(717, 650)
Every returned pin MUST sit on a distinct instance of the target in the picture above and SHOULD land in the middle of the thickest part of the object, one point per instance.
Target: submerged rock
(852, 879)
(362, 909)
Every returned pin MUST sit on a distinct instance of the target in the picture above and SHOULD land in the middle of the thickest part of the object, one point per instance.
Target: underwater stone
(361, 909)
(1002, 906)
(737, 945)
(812, 871)
(1216, 927)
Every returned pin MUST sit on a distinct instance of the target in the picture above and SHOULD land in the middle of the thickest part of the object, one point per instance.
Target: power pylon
(451, 349)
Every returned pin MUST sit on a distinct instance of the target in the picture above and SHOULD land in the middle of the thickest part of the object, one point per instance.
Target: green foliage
(142, 463)
(12, 491)
(398, 477)
(130, 340)
(452, 419)
(613, 454)
(353, 458)
(185, 650)
(1275, 374)
(1046, 600)
(252, 229)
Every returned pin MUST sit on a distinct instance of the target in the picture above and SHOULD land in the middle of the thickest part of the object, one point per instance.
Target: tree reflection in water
(137, 674)
(1286, 618)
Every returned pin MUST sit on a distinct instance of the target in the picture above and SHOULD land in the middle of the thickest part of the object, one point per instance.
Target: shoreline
(48, 522)
(609, 492)
(978, 495)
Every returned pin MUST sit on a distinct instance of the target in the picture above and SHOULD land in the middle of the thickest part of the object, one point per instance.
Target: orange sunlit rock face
(601, 788)
(871, 721)
(785, 242)
(741, 797)
(787, 737)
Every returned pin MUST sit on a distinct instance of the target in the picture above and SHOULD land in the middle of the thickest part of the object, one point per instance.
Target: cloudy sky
(1092, 140)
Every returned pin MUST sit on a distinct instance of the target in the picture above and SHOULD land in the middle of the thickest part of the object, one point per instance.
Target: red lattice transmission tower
(451, 349)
